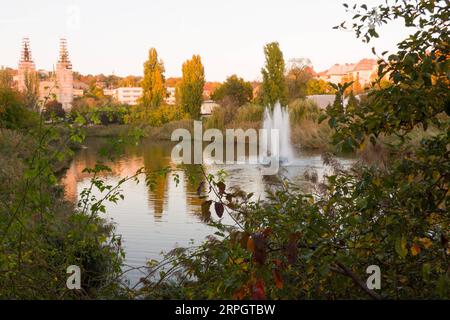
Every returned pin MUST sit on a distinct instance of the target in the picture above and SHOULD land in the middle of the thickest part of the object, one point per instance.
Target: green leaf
(400, 247)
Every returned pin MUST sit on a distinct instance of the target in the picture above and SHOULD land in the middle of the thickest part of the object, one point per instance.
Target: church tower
(26, 67)
(64, 77)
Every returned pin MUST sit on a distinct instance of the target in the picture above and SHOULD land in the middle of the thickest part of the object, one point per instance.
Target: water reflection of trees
(153, 157)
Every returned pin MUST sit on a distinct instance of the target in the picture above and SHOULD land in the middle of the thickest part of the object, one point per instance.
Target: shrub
(53, 109)
(13, 114)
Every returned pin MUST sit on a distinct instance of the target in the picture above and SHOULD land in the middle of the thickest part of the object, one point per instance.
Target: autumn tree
(190, 89)
(300, 71)
(6, 78)
(153, 86)
(318, 86)
(129, 81)
(274, 88)
(234, 91)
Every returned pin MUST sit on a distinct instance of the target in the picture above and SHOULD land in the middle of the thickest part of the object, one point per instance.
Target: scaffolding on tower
(26, 51)
(64, 54)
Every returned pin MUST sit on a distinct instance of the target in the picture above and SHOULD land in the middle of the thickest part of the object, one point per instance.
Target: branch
(347, 272)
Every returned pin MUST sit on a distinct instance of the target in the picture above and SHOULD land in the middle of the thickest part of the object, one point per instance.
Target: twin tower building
(58, 85)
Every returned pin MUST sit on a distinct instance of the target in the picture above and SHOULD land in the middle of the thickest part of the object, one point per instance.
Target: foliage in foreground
(41, 234)
(394, 215)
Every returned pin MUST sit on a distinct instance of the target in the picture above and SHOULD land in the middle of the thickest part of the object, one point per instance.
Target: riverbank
(307, 135)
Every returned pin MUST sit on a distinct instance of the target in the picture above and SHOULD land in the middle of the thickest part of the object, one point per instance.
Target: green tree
(274, 86)
(154, 90)
(234, 91)
(190, 88)
(352, 102)
(13, 113)
(31, 93)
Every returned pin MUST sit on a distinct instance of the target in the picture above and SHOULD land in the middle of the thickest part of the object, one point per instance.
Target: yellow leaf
(415, 249)
(377, 182)
(426, 242)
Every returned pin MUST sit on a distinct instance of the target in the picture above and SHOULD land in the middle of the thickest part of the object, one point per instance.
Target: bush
(246, 116)
(42, 233)
(303, 109)
(154, 117)
(53, 109)
(13, 114)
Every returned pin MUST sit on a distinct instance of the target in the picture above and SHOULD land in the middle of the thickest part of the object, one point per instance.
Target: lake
(157, 219)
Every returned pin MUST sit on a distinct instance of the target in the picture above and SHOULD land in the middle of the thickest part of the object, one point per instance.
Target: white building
(128, 95)
(108, 92)
(364, 70)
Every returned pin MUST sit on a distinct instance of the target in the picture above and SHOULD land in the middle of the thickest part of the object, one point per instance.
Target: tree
(274, 88)
(153, 87)
(355, 86)
(53, 108)
(31, 93)
(190, 89)
(129, 81)
(318, 86)
(6, 78)
(352, 102)
(13, 113)
(297, 77)
(234, 91)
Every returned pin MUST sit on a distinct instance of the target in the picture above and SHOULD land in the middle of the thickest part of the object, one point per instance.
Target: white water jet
(278, 118)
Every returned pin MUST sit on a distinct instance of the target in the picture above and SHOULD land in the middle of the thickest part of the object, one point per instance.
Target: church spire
(26, 51)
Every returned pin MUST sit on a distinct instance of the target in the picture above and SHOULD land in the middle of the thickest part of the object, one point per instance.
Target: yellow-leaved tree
(153, 83)
(190, 89)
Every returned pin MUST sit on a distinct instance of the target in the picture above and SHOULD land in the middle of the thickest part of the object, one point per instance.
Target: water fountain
(278, 118)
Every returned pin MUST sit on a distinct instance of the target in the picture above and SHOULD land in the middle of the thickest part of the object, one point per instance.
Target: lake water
(155, 220)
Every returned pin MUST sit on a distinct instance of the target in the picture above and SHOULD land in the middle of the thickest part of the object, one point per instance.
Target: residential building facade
(128, 95)
(361, 71)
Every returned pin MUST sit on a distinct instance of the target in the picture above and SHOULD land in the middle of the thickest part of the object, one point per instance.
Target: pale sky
(114, 36)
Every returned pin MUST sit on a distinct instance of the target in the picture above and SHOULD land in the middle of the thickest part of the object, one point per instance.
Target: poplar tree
(190, 90)
(153, 83)
(274, 87)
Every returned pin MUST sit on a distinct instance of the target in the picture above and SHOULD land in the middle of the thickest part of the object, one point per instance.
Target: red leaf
(259, 292)
(267, 231)
(219, 209)
(250, 245)
(260, 245)
(277, 278)
(242, 292)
